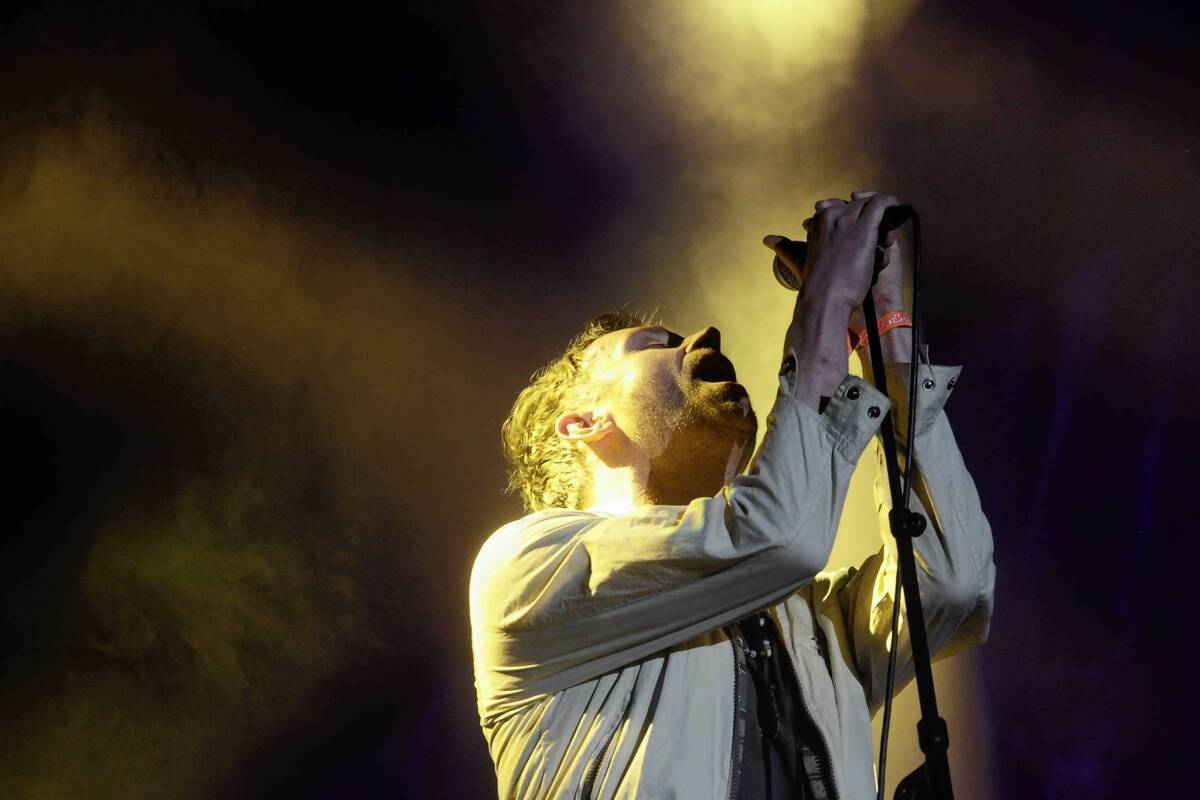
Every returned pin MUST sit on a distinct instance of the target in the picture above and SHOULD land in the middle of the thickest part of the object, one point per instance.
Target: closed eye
(654, 337)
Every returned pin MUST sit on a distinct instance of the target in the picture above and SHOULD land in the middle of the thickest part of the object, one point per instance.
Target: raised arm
(953, 555)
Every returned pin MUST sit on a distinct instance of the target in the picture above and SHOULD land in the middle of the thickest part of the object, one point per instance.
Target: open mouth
(712, 367)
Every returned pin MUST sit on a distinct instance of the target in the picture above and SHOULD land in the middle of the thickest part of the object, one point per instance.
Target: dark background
(270, 277)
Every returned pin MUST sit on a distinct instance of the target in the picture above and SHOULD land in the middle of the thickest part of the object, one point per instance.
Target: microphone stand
(931, 780)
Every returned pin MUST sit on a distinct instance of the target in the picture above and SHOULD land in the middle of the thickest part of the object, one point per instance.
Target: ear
(586, 426)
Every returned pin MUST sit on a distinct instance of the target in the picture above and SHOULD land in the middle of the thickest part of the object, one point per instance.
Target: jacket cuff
(853, 415)
(934, 385)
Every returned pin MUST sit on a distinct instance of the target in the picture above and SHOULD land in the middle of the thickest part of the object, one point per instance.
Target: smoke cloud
(215, 415)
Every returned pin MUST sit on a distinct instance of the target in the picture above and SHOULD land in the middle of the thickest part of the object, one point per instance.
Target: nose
(706, 338)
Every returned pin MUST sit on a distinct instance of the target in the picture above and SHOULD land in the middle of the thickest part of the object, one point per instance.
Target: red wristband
(892, 319)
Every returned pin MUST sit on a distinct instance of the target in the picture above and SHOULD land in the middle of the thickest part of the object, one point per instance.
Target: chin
(728, 402)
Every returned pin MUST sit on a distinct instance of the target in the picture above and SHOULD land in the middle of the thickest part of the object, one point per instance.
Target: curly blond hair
(549, 472)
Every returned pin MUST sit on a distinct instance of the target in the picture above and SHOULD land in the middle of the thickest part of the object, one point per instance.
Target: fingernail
(772, 240)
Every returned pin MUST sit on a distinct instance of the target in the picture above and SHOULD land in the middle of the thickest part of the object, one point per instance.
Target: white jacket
(602, 665)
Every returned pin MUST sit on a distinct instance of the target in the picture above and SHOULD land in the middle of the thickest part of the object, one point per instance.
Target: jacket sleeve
(956, 573)
(563, 596)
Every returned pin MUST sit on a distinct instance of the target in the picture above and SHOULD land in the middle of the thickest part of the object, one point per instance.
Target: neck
(623, 486)
(662, 480)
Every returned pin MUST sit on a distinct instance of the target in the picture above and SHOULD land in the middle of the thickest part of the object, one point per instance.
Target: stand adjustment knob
(906, 523)
(933, 735)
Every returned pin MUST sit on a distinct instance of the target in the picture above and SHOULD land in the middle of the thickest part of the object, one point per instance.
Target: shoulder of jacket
(503, 551)
(515, 536)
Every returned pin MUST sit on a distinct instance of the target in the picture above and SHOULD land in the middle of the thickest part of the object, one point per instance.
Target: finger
(874, 207)
(785, 248)
(862, 194)
(807, 224)
(791, 253)
(773, 241)
(821, 205)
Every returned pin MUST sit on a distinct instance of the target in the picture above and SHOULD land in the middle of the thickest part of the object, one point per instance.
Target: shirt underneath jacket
(606, 661)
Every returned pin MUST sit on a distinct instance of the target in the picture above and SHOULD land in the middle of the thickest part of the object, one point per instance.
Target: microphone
(893, 218)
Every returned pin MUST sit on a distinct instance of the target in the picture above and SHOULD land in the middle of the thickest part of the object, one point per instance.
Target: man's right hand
(843, 237)
(836, 275)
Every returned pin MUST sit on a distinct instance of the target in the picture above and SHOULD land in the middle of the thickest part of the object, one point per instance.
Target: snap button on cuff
(853, 392)
(873, 412)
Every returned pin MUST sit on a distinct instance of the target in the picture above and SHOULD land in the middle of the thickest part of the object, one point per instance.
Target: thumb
(787, 249)
(774, 241)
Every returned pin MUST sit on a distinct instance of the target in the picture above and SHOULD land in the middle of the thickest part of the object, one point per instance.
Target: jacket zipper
(828, 762)
(594, 769)
(735, 756)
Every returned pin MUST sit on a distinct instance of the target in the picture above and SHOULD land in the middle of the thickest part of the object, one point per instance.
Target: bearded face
(677, 400)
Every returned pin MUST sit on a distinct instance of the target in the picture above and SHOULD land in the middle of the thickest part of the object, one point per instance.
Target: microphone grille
(784, 275)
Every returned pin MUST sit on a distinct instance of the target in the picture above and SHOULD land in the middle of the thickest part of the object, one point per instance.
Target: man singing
(658, 624)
